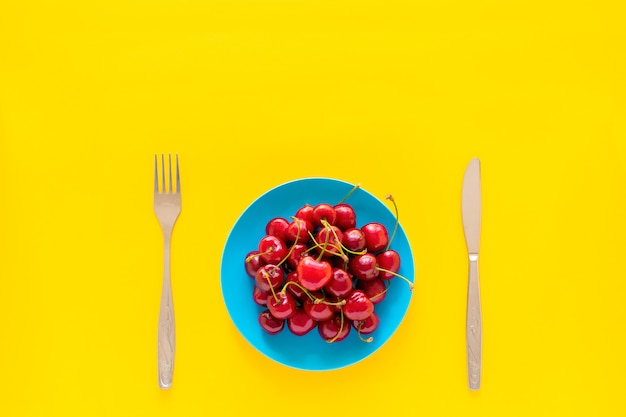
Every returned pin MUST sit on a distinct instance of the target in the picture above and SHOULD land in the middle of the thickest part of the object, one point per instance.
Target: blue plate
(309, 352)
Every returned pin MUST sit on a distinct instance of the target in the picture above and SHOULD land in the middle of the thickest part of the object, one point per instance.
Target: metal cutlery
(167, 206)
(471, 211)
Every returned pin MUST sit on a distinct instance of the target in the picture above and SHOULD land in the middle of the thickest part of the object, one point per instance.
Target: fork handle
(473, 332)
(166, 333)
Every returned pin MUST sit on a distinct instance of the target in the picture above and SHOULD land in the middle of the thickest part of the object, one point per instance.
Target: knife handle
(473, 332)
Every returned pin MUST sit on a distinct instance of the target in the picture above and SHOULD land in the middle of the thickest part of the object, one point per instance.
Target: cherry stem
(350, 193)
(327, 244)
(334, 338)
(396, 275)
(358, 330)
(319, 257)
(311, 296)
(320, 246)
(341, 247)
(308, 294)
(387, 284)
(254, 255)
(395, 227)
(351, 252)
(329, 303)
(292, 246)
(269, 282)
(327, 226)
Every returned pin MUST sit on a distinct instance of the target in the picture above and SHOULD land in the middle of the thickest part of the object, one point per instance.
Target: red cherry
(282, 306)
(331, 235)
(313, 274)
(298, 224)
(259, 296)
(334, 330)
(330, 244)
(321, 289)
(335, 303)
(353, 239)
(389, 260)
(272, 249)
(269, 323)
(368, 325)
(358, 306)
(389, 266)
(375, 289)
(305, 213)
(269, 276)
(345, 217)
(363, 266)
(339, 261)
(300, 323)
(277, 227)
(376, 236)
(296, 291)
(299, 250)
(318, 311)
(321, 212)
(252, 263)
(340, 284)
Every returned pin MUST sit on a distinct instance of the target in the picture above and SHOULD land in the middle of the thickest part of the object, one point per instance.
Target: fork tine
(177, 176)
(170, 172)
(163, 189)
(156, 175)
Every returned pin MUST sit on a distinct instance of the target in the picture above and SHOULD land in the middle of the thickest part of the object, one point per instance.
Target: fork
(167, 207)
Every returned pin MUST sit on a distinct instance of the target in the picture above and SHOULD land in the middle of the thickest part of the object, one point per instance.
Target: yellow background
(395, 95)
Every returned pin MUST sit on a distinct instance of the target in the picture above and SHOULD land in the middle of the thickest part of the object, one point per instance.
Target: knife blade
(471, 212)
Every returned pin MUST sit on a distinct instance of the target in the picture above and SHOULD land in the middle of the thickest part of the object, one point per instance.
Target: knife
(471, 210)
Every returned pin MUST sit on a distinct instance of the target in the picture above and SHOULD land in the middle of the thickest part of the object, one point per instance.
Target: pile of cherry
(318, 269)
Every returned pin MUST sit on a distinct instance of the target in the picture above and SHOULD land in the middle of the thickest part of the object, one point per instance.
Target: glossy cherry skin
(340, 284)
(318, 311)
(272, 249)
(329, 329)
(353, 239)
(305, 213)
(330, 240)
(321, 212)
(363, 266)
(334, 302)
(376, 236)
(389, 260)
(313, 274)
(375, 289)
(368, 325)
(358, 306)
(303, 227)
(269, 323)
(331, 235)
(282, 306)
(338, 261)
(296, 291)
(252, 263)
(277, 227)
(300, 323)
(259, 296)
(269, 276)
(345, 217)
(296, 254)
